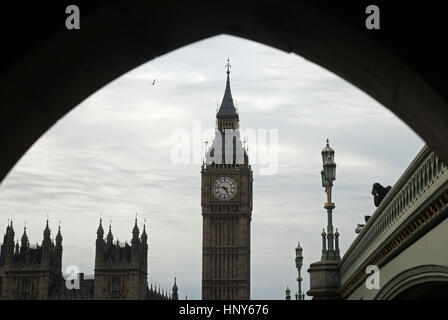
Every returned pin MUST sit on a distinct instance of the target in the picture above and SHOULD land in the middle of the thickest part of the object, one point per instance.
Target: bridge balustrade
(419, 194)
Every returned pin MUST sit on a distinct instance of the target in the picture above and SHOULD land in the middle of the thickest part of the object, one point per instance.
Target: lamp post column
(328, 175)
(330, 235)
(324, 274)
(299, 262)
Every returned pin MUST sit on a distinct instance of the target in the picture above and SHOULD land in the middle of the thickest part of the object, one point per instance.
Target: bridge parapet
(417, 197)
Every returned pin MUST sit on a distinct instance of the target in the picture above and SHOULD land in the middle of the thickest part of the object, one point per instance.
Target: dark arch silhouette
(433, 290)
(424, 282)
(47, 70)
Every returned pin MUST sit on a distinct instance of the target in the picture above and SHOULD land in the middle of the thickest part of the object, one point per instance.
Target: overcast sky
(111, 154)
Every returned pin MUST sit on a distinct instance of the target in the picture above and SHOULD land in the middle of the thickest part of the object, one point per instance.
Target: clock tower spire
(226, 201)
(227, 115)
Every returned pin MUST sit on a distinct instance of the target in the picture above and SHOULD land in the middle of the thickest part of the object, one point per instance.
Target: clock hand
(224, 188)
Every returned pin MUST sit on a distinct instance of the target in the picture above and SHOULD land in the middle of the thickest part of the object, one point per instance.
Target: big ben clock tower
(226, 200)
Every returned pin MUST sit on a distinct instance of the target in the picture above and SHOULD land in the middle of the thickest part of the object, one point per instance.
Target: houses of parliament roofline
(35, 271)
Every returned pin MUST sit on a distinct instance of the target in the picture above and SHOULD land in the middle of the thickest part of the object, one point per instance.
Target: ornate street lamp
(299, 263)
(328, 175)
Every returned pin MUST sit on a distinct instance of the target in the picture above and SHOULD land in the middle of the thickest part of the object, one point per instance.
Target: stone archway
(48, 70)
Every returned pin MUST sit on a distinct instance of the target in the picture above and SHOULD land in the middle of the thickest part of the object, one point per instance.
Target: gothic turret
(135, 231)
(46, 244)
(58, 249)
(24, 239)
(144, 236)
(25, 247)
(59, 237)
(144, 251)
(135, 243)
(10, 232)
(175, 293)
(100, 231)
(9, 244)
(110, 237)
(47, 232)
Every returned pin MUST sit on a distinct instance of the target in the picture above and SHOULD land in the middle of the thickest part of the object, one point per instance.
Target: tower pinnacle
(110, 237)
(227, 109)
(47, 232)
(135, 231)
(100, 230)
(228, 66)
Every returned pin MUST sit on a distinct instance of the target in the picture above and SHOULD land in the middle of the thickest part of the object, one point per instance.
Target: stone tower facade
(121, 270)
(30, 271)
(226, 199)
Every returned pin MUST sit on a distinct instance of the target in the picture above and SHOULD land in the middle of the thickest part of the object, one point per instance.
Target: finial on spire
(328, 142)
(228, 66)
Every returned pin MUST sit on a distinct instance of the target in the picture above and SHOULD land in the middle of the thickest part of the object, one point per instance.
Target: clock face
(224, 188)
